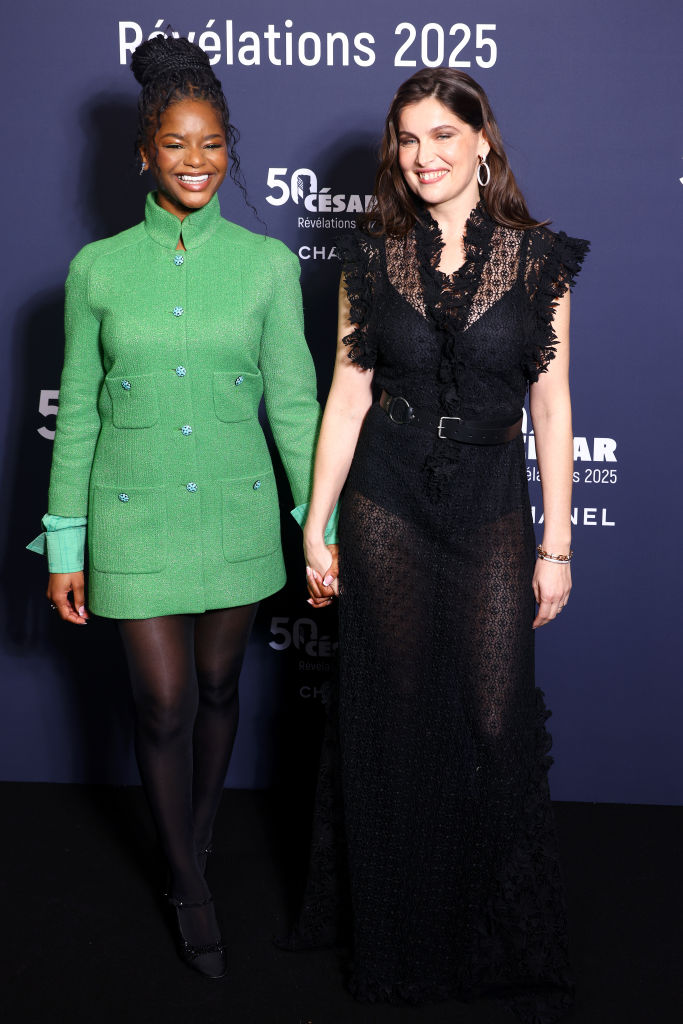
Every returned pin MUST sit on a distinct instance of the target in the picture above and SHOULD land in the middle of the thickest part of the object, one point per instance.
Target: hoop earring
(487, 169)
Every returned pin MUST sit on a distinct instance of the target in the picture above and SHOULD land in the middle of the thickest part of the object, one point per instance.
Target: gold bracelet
(547, 556)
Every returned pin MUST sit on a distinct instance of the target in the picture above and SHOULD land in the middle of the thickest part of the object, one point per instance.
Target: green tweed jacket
(158, 439)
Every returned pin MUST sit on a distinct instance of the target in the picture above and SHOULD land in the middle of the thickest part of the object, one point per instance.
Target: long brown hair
(395, 210)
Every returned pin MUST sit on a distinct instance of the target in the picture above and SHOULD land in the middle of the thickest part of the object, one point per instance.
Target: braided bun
(161, 57)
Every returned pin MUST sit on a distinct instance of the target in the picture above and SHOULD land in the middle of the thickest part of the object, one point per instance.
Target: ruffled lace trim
(359, 258)
(553, 263)
(448, 302)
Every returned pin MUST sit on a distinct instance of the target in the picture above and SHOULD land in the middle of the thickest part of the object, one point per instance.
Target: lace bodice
(532, 267)
(468, 344)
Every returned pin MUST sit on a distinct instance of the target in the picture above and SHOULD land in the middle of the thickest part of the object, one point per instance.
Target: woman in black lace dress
(434, 838)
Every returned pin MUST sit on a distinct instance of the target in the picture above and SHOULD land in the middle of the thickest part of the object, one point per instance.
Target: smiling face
(188, 156)
(439, 154)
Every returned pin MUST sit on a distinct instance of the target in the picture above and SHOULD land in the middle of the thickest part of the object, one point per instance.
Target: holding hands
(322, 571)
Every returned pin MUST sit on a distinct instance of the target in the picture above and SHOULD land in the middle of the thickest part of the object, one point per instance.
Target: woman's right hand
(71, 608)
(322, 570)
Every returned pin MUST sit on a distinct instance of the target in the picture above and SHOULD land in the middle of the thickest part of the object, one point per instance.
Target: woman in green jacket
(174, 330)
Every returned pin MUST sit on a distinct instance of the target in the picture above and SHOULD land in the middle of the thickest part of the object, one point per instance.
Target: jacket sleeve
(63, 541)
(78, 421)
(289, 383)
(331, 535)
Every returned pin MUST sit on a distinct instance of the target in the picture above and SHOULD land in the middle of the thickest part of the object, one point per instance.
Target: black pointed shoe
(209, 959)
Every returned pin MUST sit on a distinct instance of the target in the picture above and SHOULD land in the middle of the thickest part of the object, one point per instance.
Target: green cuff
(300, 513)
(63, 541)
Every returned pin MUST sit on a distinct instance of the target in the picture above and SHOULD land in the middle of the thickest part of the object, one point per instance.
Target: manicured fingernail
(308, 570)
(81, 611)
(327, 581)
(310, 601)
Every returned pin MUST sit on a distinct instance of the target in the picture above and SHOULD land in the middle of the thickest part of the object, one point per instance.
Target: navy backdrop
(588, 99)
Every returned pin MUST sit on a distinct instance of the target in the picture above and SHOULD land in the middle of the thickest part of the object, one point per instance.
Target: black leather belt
(453, 428)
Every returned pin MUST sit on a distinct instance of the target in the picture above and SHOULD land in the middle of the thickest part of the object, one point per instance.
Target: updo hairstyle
(170, 69)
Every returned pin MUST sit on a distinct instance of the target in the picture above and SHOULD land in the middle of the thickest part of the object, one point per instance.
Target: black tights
(184, 671)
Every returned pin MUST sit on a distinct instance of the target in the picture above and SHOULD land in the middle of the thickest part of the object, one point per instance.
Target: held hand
(552, 584)
(322, 570)
(70, 608)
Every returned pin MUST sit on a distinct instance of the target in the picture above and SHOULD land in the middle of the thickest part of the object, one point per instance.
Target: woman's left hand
(552, 584)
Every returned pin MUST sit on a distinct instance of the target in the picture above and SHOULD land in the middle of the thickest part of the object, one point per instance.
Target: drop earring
(143, 168)
(483, 165)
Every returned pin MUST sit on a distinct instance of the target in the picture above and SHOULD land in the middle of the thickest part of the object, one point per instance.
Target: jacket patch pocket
(236, 395)
(251, 517)
(134, 400)
(127, 529)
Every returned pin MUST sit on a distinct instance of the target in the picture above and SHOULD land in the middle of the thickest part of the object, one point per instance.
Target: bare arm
(349, 400)
(550, 408)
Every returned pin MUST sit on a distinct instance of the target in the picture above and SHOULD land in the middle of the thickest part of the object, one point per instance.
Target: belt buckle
(409, 413)
(443, 437)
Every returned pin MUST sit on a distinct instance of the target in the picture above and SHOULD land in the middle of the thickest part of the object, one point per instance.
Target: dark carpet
(86, 938)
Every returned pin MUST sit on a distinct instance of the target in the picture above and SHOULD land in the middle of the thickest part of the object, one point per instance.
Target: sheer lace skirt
(434, 837)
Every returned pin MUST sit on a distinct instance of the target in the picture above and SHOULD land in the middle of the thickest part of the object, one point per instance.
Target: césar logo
(301, 188)
(596, 449)
(303, 635)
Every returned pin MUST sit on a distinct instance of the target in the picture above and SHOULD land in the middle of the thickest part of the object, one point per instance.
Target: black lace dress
(434, 844)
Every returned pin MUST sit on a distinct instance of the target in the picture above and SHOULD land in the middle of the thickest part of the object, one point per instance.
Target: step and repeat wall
(588, 98)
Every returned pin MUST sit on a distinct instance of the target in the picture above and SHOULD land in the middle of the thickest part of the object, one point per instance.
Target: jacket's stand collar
(165, 228)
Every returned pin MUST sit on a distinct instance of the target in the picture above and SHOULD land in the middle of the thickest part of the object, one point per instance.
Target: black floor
(87, 943)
